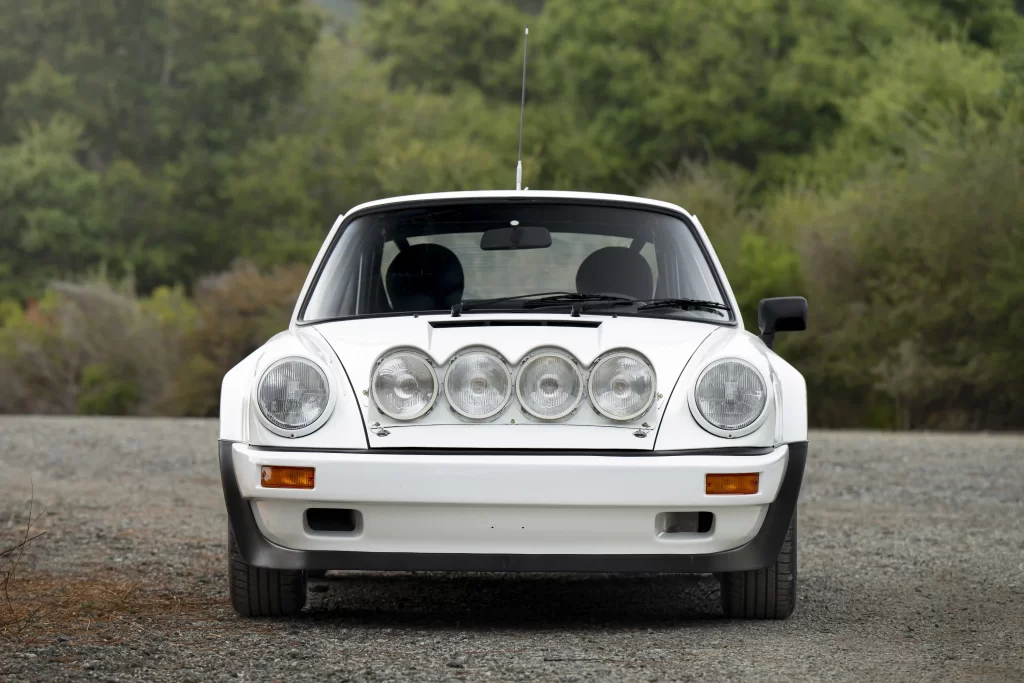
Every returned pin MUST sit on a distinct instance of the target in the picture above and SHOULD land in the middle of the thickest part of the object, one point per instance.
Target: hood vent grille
(445, 324)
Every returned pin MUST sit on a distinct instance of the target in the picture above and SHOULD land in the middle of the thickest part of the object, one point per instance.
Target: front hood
(667, 344)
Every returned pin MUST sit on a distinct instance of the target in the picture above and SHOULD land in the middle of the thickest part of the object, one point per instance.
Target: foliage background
(168, 168)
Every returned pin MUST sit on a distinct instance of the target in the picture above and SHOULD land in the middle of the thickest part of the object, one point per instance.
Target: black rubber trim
(758, 553)
(609, 453)
(505, 322)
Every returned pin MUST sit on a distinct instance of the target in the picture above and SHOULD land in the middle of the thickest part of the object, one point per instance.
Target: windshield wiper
(686, 305)
(546, 299)
(652, 304)
(469, 304)
(581, 302)
(577, 302)
(583, 299)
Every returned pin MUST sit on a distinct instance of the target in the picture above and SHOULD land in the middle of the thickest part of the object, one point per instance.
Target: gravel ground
(911, 567)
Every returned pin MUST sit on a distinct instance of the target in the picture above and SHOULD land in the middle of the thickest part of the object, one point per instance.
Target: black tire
(768, 593)
(257, 592)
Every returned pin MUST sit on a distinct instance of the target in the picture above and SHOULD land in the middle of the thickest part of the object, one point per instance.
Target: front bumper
(512, 511)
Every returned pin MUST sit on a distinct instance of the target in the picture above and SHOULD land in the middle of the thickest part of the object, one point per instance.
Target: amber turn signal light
(287, 477)
(731, 484)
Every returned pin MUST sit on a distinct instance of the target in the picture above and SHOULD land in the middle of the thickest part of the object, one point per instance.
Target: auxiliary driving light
(404, 386)
(273, 477)
(731, 484)
(550, 386)
(622, 386)
(478, 385)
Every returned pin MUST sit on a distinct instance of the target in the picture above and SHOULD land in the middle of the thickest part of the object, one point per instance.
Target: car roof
(518, 194)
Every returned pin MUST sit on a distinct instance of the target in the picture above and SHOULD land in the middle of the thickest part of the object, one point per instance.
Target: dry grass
(87, 608)
(11, 617)
(40, 606)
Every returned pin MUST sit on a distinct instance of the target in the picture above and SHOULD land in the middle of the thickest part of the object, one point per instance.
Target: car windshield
(514, 256)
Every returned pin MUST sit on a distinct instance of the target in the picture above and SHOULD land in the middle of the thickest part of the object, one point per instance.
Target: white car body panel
(550, 496)
(794, 395)
(454, 503)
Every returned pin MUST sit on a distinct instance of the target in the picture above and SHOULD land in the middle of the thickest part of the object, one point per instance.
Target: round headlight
(622, 386)
(292, 394)
(404, 386)
(730, 395)
(478, 385)
(549, 386)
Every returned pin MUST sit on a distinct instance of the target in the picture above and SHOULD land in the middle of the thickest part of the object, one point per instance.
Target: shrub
(237, 311)
(104, 391)
(97, 349)
(917, 296)
(90, 348)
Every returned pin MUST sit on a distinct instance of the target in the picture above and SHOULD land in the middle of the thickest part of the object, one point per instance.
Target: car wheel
(768, 593)
(257, 592)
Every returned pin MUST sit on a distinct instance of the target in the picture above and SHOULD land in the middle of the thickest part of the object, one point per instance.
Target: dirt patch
(43, 607)
(38, 606)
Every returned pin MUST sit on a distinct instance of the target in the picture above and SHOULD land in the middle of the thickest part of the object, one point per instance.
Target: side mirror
(781, 314)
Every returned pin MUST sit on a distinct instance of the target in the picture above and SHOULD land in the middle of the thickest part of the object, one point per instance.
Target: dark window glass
(430, 257)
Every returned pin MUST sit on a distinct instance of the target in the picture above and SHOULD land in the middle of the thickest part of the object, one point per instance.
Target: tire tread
(768, 593)
(257, 592)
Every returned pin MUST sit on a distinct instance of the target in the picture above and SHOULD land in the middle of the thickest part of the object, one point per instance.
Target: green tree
(168, 93)
(922, 91)
(354, 140)
(746, 81)
(50, 218)
(438, 45)
(988, 23)
(61, 220)
(149, 77)
(616, 89)
(914, 273)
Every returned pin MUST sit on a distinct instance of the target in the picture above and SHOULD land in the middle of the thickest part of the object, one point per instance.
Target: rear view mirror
(519, 237)
(782, 314)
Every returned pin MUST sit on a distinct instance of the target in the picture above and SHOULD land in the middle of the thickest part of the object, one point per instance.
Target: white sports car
(512, 382)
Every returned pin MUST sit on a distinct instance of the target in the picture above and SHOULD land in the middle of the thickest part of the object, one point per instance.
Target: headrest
(616, 270)
(425, 277)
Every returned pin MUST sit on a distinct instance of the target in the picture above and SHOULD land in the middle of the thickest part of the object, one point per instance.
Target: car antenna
(522, 109)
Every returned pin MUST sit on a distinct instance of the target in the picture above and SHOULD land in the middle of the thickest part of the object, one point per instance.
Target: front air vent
(681, 524)
(443, 324)
(332, 520)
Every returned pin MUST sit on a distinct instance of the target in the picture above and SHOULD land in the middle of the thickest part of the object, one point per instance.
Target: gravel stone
(911, 568)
